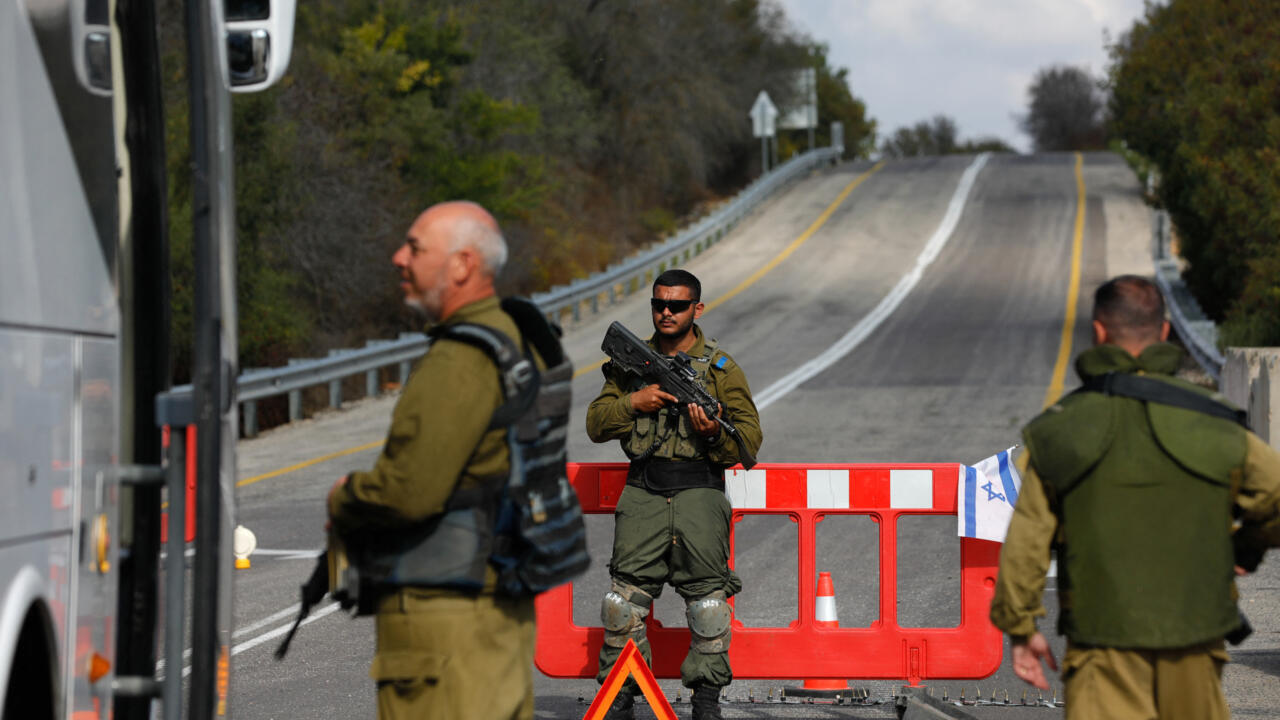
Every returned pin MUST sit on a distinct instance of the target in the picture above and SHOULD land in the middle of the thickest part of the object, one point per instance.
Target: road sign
(764, 116)
(803, 115)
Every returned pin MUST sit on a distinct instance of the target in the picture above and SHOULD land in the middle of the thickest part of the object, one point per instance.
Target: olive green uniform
(443, 653)
(677, 537)
(1137, 502)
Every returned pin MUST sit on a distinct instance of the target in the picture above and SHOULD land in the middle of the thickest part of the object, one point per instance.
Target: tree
(1065, 111)
(836, 103)
(938, 136)
(1194, 88)
(588, 128)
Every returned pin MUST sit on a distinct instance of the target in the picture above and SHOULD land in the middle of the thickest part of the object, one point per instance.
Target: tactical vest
(528, 526)
(667, 434)
(1143, 492)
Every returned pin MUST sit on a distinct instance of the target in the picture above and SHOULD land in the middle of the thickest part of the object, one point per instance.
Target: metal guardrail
(617, 281)
(1197, 331)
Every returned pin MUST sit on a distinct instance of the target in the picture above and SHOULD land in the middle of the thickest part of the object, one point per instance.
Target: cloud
(969, 59)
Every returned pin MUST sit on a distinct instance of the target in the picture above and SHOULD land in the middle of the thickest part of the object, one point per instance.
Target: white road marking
(241, 632)
(274, 633)
(889, 303)
(289, 554)
(287, 612)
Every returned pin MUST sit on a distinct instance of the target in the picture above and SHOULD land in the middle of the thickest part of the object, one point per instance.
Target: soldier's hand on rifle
(651, 398)
(702, 424)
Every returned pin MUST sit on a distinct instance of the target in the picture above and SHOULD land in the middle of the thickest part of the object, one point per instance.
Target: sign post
(764, 116)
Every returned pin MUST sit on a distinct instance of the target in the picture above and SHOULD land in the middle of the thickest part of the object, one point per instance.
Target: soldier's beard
(678, 332)
(429, 302)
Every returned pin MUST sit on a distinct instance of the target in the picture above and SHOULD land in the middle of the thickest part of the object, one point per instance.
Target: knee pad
(622, 612)
(709, 618)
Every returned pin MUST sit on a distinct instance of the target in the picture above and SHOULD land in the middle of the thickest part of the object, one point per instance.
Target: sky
(972, 60)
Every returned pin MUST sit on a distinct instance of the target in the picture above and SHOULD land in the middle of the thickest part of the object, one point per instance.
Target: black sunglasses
(675, 306)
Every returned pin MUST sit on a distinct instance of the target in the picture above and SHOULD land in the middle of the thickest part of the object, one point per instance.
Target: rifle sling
(1149, 390)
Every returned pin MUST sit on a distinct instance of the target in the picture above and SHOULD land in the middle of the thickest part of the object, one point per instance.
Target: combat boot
(706, 703)
(623, 707)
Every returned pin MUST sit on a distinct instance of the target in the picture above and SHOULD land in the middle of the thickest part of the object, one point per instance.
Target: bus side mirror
(259, 41)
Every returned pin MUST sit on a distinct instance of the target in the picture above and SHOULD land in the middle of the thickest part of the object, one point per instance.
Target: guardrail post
(404, 373)
(595, 304)
(295, 405)
(335, 394)
(250, 417)
(371, 384)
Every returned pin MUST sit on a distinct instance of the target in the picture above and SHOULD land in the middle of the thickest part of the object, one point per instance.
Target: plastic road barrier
(824, 615)
(805, 649)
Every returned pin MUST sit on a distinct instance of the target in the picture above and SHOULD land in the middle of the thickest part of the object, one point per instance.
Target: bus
(83, 351)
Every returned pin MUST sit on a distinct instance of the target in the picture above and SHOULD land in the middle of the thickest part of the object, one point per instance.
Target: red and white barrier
(805, 649)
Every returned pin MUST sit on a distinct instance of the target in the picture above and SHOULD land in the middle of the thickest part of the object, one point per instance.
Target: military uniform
(1137, 500)
(442, 653)
(667, 528)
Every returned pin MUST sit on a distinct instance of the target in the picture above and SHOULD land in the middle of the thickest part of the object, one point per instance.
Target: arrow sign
(763, 116)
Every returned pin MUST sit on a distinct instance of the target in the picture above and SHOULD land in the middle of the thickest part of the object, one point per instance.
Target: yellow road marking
(777, 259)
(1058, 378)
(584, 370)
(308, 463)
(795, 244)
(786, 252)
(1073, 294)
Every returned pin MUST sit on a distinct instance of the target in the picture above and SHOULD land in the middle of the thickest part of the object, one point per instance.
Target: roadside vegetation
(1195, 95)
(937, 136)
(589, 128)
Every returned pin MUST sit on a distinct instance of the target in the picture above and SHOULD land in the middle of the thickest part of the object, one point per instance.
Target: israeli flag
(986, 495)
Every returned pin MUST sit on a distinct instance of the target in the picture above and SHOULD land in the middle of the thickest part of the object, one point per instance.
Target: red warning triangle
(630, 664)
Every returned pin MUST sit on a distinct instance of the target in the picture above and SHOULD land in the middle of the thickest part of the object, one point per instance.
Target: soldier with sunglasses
(672, 521)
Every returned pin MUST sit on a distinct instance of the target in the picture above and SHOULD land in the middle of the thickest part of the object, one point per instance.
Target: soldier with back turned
(1135, 482)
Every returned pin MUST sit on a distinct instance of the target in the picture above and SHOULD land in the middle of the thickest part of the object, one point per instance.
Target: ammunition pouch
(668, 478)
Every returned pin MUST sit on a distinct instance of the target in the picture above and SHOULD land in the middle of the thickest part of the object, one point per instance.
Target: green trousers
(1111, 684)
(446, 655)
(681, 540)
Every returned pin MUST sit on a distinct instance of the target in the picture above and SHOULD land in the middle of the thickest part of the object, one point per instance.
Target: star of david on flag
(986, 495)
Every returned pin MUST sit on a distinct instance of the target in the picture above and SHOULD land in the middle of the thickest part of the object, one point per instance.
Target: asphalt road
(934, 347)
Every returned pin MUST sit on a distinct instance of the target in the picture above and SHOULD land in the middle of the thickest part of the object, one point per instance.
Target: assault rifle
(332, 576)
(674, 375)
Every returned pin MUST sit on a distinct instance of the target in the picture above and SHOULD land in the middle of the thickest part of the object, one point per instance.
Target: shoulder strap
(1149, 390)
(537, 330)
(519, 374)
(709, 349)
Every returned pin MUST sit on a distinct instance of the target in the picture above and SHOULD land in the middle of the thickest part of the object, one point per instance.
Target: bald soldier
(444, 653)
(1134, 481)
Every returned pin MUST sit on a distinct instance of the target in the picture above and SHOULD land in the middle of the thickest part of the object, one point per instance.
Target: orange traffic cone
(824, 616)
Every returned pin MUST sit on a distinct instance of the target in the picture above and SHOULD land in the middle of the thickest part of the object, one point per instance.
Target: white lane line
(289, 554)
(287, 612)
(282, 629)
(889, 303)
(275, 633)
(241, 632)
